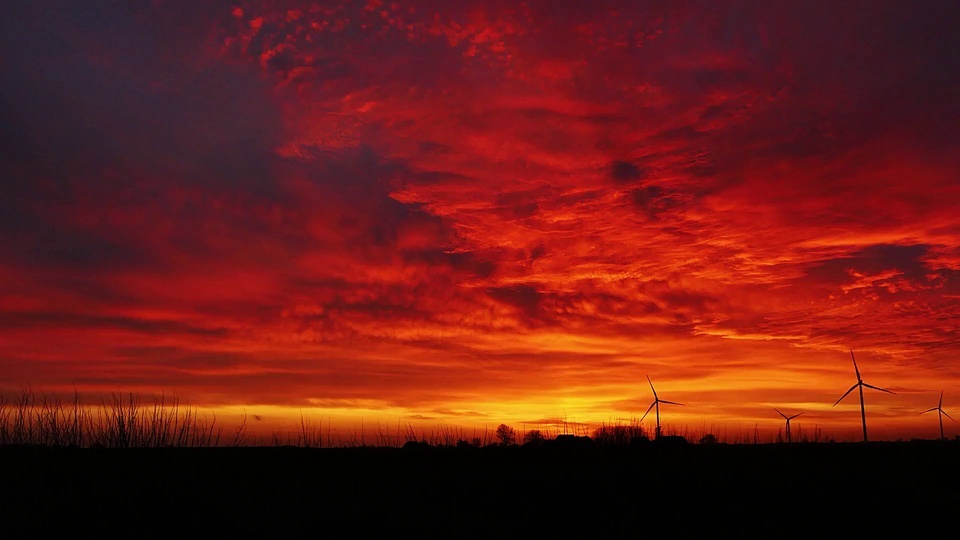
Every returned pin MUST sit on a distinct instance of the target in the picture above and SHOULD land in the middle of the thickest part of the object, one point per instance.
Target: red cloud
(437, 208)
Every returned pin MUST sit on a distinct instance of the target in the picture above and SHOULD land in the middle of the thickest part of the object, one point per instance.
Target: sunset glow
(462, 213)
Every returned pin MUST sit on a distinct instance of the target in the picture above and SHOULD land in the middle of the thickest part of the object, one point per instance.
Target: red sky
(466, 213)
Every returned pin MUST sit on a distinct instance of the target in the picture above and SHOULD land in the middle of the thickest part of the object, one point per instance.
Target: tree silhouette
(506, 434)
(533, 437)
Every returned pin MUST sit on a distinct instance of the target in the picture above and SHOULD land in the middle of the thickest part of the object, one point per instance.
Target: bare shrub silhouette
(619, 434)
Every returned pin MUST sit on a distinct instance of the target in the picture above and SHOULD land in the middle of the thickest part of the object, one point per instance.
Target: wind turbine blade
(845, 394)
(878, 388)
(941, 399)
(947, 415)
(780, 413)
(794, 416)
(652, 389)
(855, 368)
(648, 410)
(670, 402)
(929, 410)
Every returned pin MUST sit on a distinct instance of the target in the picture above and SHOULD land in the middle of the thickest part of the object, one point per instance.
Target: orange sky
(466, 213)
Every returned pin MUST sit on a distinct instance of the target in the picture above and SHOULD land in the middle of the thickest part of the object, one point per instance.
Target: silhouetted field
(456, 492)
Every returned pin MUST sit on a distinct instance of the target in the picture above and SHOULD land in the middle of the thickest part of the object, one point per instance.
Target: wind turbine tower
(656, 403)
(940, 413)
(789, 418)
(860, 384)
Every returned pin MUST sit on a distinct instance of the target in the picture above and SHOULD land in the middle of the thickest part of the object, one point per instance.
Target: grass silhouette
(115, 422)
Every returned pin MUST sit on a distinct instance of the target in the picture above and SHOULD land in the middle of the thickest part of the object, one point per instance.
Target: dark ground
(744, 490)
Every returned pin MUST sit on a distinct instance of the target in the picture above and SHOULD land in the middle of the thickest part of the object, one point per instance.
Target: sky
(464, 212)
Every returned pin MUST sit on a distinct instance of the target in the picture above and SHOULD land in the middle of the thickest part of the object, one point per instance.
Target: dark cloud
(63, 320)
(653, 201)
(905, 260)
(462, 263)
(124, 104)
(623, 171)
(522, 204)
(100, 116)
(525, 298)
(185, 358)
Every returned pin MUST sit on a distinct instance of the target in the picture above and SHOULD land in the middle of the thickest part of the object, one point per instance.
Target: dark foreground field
(746, 490)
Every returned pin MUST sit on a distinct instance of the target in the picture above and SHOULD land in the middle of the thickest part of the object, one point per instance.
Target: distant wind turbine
(940, 413)
(789, 418)
(860, 384)
(656, 403)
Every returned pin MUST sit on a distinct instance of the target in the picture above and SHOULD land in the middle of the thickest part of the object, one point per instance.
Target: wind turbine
(789, 418)
(656, 403)
(941, 412)
(860, 384)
